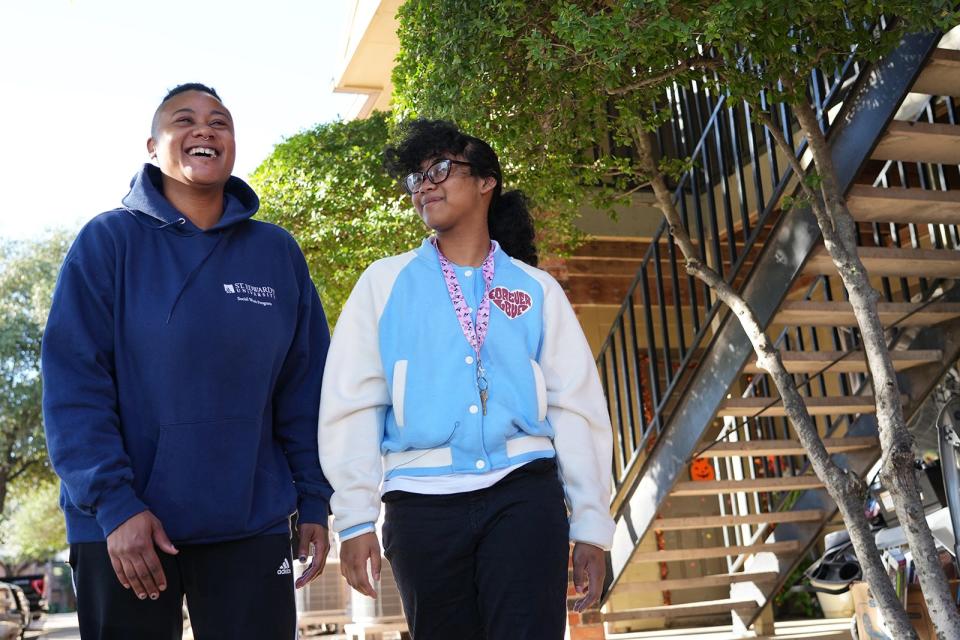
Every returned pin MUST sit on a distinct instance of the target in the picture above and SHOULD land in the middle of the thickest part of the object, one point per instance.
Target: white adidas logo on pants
(284, 568)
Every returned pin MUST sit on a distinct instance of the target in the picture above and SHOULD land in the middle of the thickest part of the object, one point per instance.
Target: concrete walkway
(59, 626)
(63, 626)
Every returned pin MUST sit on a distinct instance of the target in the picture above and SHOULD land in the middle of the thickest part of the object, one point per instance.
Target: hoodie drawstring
(193, 272)
(171, 223)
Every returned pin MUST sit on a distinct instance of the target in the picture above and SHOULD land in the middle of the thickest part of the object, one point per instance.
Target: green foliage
(28, 272)
(563, 88)
(473, 62)
(328, 188)
(34, 529)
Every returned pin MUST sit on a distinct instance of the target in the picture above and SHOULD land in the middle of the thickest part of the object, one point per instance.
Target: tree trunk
(846, 489)
(897, 470)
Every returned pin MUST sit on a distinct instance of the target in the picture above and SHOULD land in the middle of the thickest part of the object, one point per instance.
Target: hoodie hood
(146, 197)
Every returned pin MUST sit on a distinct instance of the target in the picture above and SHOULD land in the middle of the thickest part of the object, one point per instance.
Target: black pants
(483, 565)
(240, 590)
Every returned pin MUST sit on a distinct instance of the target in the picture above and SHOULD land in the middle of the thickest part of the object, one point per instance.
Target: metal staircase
(696, 545)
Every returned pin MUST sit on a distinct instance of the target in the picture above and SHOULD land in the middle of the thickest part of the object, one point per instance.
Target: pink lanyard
(475, 335)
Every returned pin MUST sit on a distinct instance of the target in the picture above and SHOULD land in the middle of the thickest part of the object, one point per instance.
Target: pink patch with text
(513, 303)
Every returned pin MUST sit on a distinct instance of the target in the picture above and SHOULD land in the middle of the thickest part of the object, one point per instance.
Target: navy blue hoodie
(181, 373)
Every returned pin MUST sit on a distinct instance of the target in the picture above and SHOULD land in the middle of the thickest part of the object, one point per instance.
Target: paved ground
(59, 626)
(63, 626)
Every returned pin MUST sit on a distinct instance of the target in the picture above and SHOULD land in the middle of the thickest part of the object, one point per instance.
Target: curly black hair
(177, 90)
(508, 220)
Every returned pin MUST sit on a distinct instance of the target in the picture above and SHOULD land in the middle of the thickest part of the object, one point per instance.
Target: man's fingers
(146, 578)
(121, 574)
(161, 540)
(309, 575)
(320, 557)
(152, 562)
(131, 572)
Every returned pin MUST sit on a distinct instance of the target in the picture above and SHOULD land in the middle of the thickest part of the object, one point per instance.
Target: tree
(327, 186)
(28, 272)
(34, 529)
(551, 82)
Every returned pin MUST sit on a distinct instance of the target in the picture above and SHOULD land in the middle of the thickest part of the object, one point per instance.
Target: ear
(488, 184)
(152, 148)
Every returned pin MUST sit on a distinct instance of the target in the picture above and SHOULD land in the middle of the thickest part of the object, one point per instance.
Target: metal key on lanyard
(483, 386)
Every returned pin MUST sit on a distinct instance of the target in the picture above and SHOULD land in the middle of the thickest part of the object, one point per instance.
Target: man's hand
(314, 542)
(354, 554)
(134, 556)
(589, 570)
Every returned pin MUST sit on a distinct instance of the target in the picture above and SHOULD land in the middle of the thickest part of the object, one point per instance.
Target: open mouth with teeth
(203, 152)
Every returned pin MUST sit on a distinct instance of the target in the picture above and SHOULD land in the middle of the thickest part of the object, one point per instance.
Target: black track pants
(239, 590)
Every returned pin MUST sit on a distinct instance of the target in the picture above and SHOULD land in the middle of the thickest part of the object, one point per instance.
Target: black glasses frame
(414, 180)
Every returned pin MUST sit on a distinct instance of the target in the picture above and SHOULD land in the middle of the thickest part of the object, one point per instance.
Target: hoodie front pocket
(203, 478)
(541, 387)
(399, 388)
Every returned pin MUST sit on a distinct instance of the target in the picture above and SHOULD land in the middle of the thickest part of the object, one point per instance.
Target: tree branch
(696, 62)
(846, 489)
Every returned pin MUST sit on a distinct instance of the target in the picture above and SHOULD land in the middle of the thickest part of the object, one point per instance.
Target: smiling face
(193, 141)
(461, 196)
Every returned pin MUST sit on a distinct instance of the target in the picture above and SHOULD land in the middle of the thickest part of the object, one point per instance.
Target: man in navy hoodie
(182, 364)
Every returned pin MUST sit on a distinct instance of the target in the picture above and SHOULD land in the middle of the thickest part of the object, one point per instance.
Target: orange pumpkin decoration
(702, 470)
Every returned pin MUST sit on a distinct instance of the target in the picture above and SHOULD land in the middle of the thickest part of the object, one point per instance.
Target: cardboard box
(870, 621)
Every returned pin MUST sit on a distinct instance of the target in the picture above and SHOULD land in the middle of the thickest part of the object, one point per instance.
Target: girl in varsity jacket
(461, 392)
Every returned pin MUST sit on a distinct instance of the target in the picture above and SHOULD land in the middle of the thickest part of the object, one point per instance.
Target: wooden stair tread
(787, 447)
(816, 406)
(920, 206)
(891, 261)
(700, 582)
(941, 74)
(707, 607)
(932, 142)
(685, 523)
(687, 488)
(840, 314)
(787, 546)
(814, 361)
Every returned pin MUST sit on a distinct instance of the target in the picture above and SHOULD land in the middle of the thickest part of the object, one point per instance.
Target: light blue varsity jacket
(400, 395)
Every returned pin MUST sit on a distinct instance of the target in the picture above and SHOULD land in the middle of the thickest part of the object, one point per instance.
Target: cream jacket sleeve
(578, 413)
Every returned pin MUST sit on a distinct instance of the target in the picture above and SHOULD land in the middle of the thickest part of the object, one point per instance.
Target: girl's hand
(354, 554)
(589, 570)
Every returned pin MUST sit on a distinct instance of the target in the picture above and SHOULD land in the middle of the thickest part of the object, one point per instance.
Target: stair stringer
(860, 123)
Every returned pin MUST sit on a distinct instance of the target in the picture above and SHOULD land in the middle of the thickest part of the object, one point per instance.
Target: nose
(426, 185)
(203, 131)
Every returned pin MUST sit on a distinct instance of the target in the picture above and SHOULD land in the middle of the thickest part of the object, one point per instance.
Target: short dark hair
(508, 219)
(177, 90)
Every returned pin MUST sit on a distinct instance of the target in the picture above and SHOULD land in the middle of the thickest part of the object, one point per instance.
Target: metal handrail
(627, 382)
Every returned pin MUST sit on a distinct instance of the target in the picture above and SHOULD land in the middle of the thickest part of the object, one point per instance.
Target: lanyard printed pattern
(475, 335)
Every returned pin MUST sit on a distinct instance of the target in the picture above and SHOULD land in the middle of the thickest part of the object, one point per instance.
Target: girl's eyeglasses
(435, 173)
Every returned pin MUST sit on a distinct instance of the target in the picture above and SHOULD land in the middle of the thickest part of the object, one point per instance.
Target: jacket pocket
(541, 387)
(398, 390)
(204, 477)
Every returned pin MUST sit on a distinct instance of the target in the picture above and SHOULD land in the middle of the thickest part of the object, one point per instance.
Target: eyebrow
(189, 110)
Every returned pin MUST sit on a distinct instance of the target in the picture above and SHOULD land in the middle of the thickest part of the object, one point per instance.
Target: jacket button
(468, 359)
(481, 464)
(473, 408)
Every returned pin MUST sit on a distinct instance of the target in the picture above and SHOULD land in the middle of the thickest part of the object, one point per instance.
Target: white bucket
(833, 605)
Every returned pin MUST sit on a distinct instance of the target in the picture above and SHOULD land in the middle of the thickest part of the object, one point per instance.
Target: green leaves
(328, 188)
(28, 273)
(34, 529)
(561, 88)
